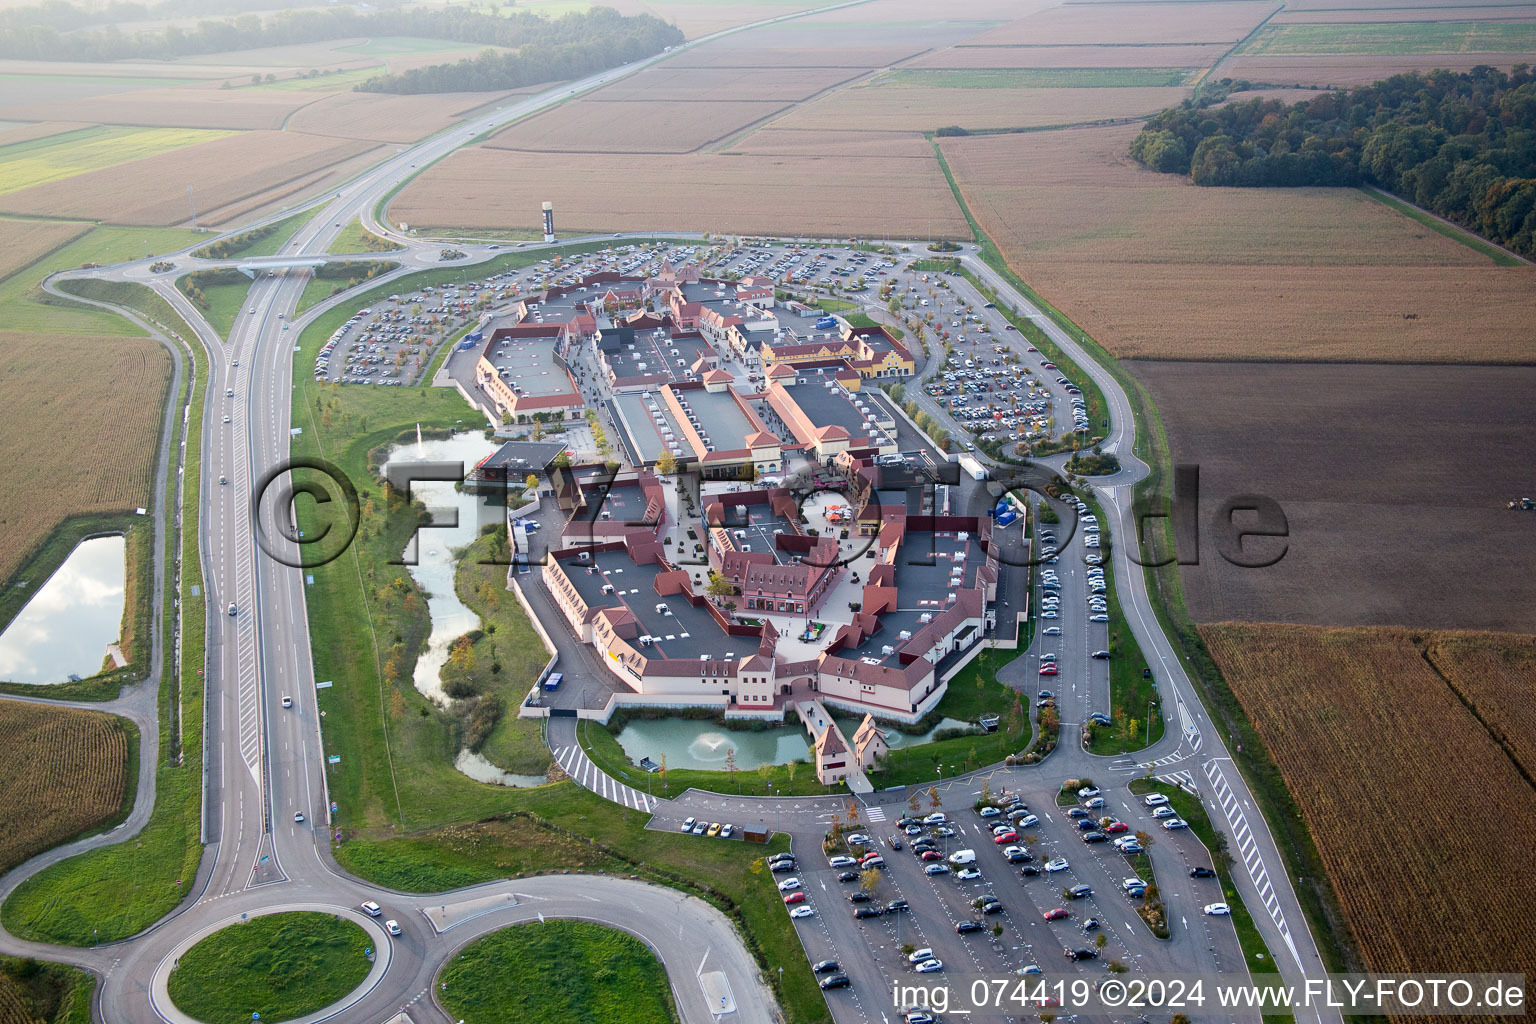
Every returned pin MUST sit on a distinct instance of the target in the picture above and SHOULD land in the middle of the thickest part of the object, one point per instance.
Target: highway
(264, 761)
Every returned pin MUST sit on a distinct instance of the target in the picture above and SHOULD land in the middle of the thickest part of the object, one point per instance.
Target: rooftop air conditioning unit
(703, 657)
(661, 607)
(607, 588)
(925, 617)
(905, 634)
(963, 535)
(584, 556)
(645, 641)
(741, 534)
(887, 650)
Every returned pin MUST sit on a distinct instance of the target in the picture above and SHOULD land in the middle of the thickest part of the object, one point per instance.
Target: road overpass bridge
(250, 267)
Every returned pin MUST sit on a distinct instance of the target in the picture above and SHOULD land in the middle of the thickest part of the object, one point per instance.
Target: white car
(1217, 910)
(789, 884)
(1172, 823)
(372, 909)
(1093, 803)
(1163, 812)
(1049, 613)
(1154, 800)
(1087, 791)
(393, 927)
(1051, 631)
(803, 911)
(287, 701)
(930, 966)
(1056, 864)
(298, 817)
(966, 874)
(989, 812)
(1028, 821)
(841, 861)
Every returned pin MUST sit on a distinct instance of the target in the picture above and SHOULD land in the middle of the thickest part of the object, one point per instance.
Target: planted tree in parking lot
(933, 797)
(870, 880)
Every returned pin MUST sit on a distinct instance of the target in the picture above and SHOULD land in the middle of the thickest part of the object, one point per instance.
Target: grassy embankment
(1292, 837)
(508, 655)
(343, 275)
(562, 971)
(262, 241)
(281, 966)
(409, 818)
(355, 238)
(120, 890)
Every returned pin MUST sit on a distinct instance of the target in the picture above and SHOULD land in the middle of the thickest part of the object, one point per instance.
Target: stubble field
(1136, 23)
(63, 772)
(370, 116)
(24, 242)
(666, 84)
(1393, 481)
(887, 107)
(1350, 70)
(1368, 735)
(1138, 258)
(589, 126)
(1166, 55)
(98, 401)
(153, 190)
(826, 194)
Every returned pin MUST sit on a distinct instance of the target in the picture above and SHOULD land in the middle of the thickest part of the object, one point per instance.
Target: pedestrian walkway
(588, 776)
(874, 814)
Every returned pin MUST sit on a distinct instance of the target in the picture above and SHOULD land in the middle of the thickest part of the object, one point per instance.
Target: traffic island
(561, 971)
(280, 966)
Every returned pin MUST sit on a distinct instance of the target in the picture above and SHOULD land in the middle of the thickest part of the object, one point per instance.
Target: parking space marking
(1248, 850)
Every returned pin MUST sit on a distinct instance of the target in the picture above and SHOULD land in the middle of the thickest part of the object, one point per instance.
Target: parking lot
(873, 951)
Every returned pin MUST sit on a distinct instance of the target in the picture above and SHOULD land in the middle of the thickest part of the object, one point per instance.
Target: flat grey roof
(685, 634)
(640, 434)
(826, 406)
(530, 363)
(757, 525)
(726, 425)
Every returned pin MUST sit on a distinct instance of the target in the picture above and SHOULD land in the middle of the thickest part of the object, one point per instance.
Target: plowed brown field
(1369, 737)
(666, 84)
(1169, 55)
(1349, 70)
(921, 108)
(63, 772)
(365, 115)
(174, 107)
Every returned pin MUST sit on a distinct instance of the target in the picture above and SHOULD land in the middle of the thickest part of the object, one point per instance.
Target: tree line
(58, 30)
(603, 39)
(1462, 145)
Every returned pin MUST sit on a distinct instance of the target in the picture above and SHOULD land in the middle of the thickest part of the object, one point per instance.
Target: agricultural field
(590, 126)
(1393, 481)
(153, 190)
(1167, 55)
(666, 84)
(34, 992)
(819, 194)
(18, 89)
(1134, 256)
(65, 771)
(24, 242)
(1395, 38)
(1036, 78)
(888, 107)
(370, 116)
(53, 387)
(24, 165)
(184, 106)
(1131, 24)
(1485, 670)
(19, 131)
(1365, 730)
(1351, 70)
(1299, 15)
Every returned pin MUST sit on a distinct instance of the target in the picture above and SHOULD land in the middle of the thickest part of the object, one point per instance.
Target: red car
(1032, 349)
(1059, 914)
(1048, 366)
(931, 855)
(1048, 670)
(1117, 826)
(795, 897)
(1006, 837)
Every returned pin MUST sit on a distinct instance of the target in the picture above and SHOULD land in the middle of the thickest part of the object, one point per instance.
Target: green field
(1395, 38)
(1036, 78)
(25, 307)
(325, 81)
(281, 966)
(64, 156)
(120, 890)
(562, 971)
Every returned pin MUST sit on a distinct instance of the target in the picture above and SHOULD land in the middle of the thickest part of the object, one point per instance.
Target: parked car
(1058, 914)
(795, 897)
(825, 966)
(1055, 864)
(1201, 873)
(835, 981)
(1078, 892)
(1217, 910)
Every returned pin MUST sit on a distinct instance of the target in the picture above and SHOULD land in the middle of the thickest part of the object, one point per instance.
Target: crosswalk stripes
(1184, 780)
(1247, 848)
(588, 776)
(874, 814)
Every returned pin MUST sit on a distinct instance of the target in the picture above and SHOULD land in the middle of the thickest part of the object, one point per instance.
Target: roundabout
(305, 962)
